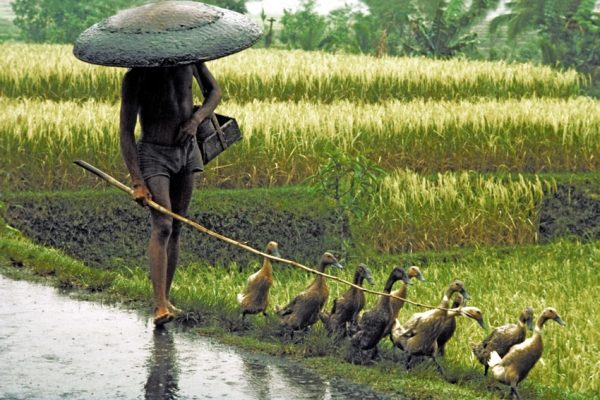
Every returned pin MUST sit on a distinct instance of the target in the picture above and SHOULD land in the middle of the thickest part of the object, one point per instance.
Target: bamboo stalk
(233, 242)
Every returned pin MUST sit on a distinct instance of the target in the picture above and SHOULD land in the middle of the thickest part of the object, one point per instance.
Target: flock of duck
(506, 350)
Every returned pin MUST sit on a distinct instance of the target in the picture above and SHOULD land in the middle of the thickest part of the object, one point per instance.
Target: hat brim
(224, 35)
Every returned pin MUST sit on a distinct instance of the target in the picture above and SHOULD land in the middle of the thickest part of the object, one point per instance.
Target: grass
(52, 72)
(284, 143)
(500, 281)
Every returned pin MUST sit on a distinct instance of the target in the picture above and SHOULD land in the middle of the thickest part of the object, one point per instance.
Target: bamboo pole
(233, 242)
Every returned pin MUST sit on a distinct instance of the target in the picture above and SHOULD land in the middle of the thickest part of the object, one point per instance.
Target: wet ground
(55, 347)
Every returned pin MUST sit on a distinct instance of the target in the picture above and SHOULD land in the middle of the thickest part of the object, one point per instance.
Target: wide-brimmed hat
(166, 33)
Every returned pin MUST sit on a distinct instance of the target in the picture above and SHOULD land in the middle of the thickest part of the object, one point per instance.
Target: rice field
(413, 212)
(285, 142)
(453, 136)
(52, 72)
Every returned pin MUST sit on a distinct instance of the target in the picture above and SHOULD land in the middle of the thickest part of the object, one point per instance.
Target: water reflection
(60, 348)
(163, 371)
(259, 377)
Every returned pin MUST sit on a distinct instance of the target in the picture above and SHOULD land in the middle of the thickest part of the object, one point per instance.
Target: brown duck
(424, 328)
(503, 338)
(303, 311)
(520, 359)
(418, 336)
(413, 273)
(449, 326)
(376, 322)
(255, 298)
(346, 308)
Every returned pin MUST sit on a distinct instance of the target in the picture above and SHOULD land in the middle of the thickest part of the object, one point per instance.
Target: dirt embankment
(107, 230)
(572, 211)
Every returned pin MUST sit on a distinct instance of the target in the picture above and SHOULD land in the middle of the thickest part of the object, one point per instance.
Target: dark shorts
(157, 159)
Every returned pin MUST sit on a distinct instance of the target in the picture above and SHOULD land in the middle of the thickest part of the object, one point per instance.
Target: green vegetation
(411, 212)
(51, 72)
(284, 143)
(494, 276)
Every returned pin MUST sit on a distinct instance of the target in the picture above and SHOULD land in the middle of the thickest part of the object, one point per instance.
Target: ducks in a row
(505, 350)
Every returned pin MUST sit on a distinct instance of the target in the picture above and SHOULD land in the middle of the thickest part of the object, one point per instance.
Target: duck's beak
(421, 277)
(369, 278)
(275, 253)
(482, 324)
(560, 321)
(530, 324)
(465, 294)
(338, 265)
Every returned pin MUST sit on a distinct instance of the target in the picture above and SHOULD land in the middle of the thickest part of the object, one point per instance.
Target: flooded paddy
(55, 347)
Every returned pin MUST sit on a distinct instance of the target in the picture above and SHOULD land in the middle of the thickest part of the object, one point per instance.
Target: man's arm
(128, 117)
(212, 97)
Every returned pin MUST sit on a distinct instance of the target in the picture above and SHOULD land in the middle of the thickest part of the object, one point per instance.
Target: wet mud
(53, 346)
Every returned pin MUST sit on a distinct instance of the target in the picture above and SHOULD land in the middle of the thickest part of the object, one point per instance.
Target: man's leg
(157, 248)
(181, 193)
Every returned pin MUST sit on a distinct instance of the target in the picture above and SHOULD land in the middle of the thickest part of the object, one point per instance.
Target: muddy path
(53, 346)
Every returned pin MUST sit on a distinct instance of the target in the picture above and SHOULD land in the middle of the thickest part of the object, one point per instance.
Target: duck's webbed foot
(359, 356)
(438, 365)
(515, 392)
(485, 371)
(408, 362)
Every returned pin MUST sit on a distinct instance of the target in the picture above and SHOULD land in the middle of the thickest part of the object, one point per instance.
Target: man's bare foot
(173, 309)
(162, 315)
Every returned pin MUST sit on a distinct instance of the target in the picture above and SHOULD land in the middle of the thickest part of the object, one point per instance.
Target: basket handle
(220, 133)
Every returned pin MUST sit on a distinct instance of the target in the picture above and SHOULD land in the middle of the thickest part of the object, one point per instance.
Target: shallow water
(56, 347)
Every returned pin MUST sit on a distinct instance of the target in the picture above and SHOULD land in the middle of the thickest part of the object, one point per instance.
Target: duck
(424, 328)
(503, 338)
(346, 308)
(255, 297)
(449, 326)
(374, 323)
(418, 336)
(303, 311)
(413, 273)
(520, 359)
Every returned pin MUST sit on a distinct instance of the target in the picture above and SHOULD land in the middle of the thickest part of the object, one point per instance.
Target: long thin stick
(203, 229)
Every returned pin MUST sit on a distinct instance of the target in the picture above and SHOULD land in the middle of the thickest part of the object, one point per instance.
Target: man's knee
(162, 227)
(176, 228)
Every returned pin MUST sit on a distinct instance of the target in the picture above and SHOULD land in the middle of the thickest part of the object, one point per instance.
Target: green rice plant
(451, 209)
(52, 72)
(284, 143)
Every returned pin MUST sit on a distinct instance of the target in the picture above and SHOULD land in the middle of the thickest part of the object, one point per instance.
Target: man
(166, 157)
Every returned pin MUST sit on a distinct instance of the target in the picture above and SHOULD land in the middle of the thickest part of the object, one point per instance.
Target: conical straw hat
(166, 33)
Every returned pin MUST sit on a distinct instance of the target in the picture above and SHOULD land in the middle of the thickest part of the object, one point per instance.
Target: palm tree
(568, 31)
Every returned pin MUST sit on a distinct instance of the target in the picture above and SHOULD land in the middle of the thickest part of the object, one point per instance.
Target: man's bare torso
(165, 101)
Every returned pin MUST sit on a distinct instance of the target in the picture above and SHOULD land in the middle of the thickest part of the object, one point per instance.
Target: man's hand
(187, 130)
(141, 194)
